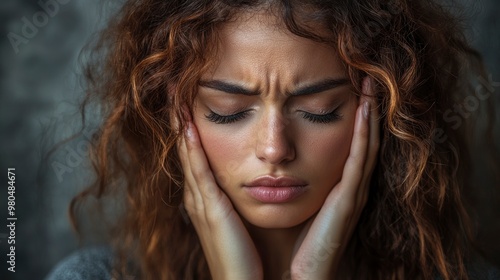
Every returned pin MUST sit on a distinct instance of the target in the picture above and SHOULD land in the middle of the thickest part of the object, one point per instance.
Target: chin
(275, 216)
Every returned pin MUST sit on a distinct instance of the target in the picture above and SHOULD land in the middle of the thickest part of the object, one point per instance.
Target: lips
(268, 189)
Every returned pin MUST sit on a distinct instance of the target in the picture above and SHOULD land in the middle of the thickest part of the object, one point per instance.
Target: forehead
(259, 43)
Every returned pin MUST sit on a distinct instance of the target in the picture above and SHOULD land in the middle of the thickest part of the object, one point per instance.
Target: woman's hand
(228, 247)
(322, 243)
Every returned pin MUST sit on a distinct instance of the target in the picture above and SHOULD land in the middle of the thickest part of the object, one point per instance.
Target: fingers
(228, 247)
(198, 162)
(374, 140)
(336, 220)
(364, 148)
(198, 175)
(354, 165)
(202, 196)
(190, 198)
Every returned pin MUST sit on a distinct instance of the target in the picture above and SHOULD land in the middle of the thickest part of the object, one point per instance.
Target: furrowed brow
(320, 86)
(228, 87)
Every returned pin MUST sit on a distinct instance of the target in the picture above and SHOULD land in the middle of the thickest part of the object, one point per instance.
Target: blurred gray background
(40, 93)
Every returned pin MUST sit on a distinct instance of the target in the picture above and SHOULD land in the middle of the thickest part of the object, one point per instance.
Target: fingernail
(189, 131)
(366, 109)
(366, 84)
(369, 86)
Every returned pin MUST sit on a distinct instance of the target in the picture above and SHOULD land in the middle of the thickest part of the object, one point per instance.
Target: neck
(275, 247)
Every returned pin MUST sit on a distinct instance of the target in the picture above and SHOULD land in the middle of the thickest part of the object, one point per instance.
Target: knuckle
(200, 173)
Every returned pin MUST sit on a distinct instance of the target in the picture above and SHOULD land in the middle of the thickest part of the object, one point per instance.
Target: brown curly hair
(147, 64)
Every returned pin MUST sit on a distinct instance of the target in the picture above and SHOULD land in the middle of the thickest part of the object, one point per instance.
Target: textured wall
(39, 94)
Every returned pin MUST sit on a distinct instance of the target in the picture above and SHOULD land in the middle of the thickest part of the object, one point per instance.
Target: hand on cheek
(323, 241)
(227, 245)
(228, 248)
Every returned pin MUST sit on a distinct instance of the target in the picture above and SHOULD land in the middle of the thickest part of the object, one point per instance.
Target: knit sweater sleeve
(89, 263)
(96, 263)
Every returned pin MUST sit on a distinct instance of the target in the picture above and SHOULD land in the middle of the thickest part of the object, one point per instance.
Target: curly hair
(148, 63)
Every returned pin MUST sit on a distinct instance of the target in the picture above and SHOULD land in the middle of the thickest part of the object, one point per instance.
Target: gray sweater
(96, 263)
(93, 263)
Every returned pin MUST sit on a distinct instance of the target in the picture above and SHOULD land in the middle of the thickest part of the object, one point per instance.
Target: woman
(284, 140)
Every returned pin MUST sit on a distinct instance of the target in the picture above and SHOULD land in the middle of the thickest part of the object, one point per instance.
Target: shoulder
(87, 263)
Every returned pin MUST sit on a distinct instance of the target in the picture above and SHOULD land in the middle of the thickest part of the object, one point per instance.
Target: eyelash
(219, 119)
(326, 118)
(323, 119)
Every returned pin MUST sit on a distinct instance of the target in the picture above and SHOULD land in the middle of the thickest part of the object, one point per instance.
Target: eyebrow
(316, 87)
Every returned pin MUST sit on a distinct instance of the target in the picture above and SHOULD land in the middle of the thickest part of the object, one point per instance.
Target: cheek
(223, 153)
(327, 153)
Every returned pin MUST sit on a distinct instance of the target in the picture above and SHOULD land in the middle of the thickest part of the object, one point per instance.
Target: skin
(243, 238)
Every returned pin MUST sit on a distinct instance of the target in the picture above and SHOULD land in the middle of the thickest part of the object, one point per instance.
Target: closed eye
(314, 118)
(325, 118)
(221, 119)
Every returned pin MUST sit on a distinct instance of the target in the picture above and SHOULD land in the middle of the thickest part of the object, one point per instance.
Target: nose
(274, 142)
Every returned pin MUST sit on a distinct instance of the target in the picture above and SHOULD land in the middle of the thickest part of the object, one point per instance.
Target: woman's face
(275, 105)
